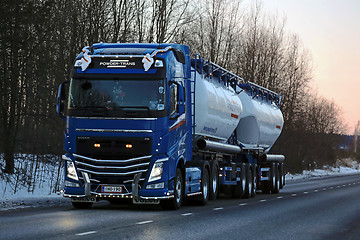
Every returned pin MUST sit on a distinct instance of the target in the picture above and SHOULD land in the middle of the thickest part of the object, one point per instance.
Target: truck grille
(113, 160)
(113, 171)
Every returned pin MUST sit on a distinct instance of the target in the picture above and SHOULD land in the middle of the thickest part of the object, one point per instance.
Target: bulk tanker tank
(249, 112)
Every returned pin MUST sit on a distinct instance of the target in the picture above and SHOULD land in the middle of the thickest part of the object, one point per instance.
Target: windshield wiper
(134, 107)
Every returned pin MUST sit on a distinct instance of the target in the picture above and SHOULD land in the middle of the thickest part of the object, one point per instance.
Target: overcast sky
(330, 30)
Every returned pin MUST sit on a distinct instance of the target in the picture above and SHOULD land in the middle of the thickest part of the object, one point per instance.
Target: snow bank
(347, 167)
(36, 181)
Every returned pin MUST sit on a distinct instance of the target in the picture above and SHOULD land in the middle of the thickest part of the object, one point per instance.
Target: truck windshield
(117, 94)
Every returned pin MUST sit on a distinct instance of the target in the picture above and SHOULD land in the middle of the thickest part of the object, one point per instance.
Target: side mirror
(62, 98)
(174, 101)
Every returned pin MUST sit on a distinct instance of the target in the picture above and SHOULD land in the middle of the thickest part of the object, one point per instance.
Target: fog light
(71, 184)
(155, 186)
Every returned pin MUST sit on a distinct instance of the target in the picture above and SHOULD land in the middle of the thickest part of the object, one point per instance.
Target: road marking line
(333, 187)
(280, 197)
(263, 200)
(324, 189)
(85, 233)
(306, 192)
(219, 208)
(349, 184)
(354, 183)
(242, 204)
(316, 190)
(186, 214)
(293, 195)
(144, 222)
(344, 185)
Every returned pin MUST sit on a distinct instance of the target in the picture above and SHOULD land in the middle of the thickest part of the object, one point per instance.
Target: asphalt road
(315, 209)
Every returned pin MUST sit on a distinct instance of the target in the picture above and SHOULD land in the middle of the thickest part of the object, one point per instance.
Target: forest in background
(39, 40)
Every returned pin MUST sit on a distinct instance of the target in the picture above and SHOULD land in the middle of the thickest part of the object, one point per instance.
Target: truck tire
(205, 187)
(249, 185)
(275, 187)
(267, 186)
(175, 203)
(254, 180)
(238, 190)
(214, 180)
(82, 205)
(282, 178)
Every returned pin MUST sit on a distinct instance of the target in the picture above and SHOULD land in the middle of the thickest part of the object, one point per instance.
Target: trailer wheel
(249, 184)
(275, 187)
(175, 203)
(267, 186)
(82, 205)
(204, 187)
(214, 182)
(282, 178)
(238, 190)
(254, 180)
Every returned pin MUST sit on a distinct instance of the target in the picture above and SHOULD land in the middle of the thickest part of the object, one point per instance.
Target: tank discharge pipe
(276, 158)
(216, 146)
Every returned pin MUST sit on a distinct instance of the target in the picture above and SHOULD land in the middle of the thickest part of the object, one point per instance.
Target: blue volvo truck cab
(126, 128)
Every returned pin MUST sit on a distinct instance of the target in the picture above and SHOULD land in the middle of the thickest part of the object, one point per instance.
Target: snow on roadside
(350, 167)
(34, 183)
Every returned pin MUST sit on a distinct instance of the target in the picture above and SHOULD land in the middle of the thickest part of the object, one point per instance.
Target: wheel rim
(250, 183)
(255, 183)
(205, 188)
(273, 178)
(214, 183)
(243, 183)
(278, 180)
(178, 190)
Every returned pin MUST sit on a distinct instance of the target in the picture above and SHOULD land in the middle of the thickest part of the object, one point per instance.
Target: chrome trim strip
(111, 194)
(121, 195)
(111, 173)
(116, 56)
(127, 181)
(111, 167)
(91, 180)
(115, 118)
(154, 198)
(112, 161)
(113, 130)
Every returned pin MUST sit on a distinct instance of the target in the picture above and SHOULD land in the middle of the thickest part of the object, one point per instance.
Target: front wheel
(175, 203)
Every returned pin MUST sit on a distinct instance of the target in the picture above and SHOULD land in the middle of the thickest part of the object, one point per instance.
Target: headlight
(157, 170)
(70, 169)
